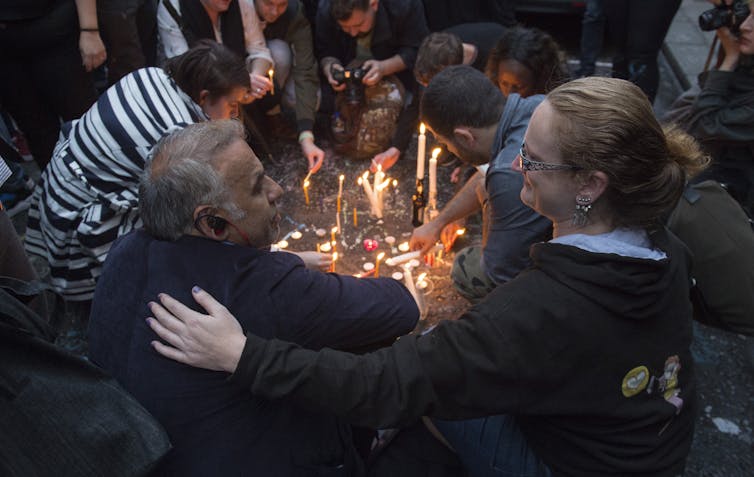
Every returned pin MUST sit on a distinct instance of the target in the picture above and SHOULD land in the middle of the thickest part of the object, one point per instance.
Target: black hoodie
(590, 351)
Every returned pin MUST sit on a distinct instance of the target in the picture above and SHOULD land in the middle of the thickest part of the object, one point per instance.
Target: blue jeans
(492, 446)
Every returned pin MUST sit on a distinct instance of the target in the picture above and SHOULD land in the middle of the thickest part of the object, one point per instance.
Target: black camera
(723, 15)
(352, 78)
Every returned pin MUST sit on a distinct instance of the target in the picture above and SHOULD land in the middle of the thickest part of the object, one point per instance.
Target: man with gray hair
(210, 214)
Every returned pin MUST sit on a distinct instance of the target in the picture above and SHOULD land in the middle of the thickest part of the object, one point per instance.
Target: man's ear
(374, 4)
(594, 185)
(464, 136)
(203, 96)
(209, 223)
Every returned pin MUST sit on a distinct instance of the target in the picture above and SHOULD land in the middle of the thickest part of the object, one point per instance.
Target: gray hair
(180, 176)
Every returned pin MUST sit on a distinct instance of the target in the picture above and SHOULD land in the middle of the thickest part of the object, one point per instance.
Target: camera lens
(715, 18)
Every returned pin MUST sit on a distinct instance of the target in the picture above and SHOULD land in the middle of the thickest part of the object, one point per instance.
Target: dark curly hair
(534, 49)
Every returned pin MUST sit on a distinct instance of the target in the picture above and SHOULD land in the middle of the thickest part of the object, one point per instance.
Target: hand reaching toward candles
(213, 341)
(426, 236)
(315, 260)
(260, 85)
(386, 159)
(314, 155)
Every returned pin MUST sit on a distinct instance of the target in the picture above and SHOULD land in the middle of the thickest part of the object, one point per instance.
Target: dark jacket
(722, 118)
(215, 427)
(590, 352)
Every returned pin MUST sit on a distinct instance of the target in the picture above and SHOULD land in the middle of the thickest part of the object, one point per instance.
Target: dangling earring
(583, 205)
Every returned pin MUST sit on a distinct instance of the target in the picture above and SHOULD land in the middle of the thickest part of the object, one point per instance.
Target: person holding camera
(383, 36)
(722, 115)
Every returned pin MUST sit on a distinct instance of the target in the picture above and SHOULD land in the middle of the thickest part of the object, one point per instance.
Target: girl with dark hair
(88, 195)
(526, 61)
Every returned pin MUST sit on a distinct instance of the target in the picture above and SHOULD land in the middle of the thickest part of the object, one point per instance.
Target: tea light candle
(370, 245)
(404, 247)
(390, 240)
(296, 235)
(420, 282)
(325, 247)
(282, 244)
(413, 263)
(397, 276)
(368, 266)
(320, 232)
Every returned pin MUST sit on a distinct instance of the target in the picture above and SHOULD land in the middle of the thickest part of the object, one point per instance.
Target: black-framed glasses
(527, 164)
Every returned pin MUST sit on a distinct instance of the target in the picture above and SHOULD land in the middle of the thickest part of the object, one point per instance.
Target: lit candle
(355, 218)
(271, 74)
(368, 266)
(404, 247)
(420, 152)
(433, 177)
(325, 247)
(420, 282)
(296, 235)
(334, 259)
(319, 250)
(320, 232)
(397, 276)
(377, 265)
(333, 231)
(306, 192)
(340, 189)
(282, 244)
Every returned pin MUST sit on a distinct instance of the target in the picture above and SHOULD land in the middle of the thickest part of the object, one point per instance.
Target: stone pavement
(686, 46)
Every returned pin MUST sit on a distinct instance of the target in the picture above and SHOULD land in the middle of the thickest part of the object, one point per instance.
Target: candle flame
(395, 182)
(422, 128)
(365, 175)
(421, 277)
(341, 178)
(270, 72)
(436, 152)
(359, 180)
(334, 256)
(380, 256)
(334, 229)
(379, 167)
(460, 231)
(306, 184)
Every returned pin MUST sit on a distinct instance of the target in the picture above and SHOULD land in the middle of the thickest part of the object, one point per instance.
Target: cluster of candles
(431, 210)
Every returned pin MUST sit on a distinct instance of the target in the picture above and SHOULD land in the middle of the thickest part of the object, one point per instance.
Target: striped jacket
(88, 194)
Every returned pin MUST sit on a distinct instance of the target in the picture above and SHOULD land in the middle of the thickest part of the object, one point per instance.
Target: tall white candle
(433, 177)
(420, 152)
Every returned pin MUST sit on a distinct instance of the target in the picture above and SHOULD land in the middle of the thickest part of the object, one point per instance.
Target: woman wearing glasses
(578, 366)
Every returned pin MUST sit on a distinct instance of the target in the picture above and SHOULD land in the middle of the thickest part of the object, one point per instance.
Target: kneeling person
(210, 214)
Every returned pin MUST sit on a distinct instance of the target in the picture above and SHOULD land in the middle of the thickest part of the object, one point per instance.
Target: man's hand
(731, 47)
(92, 50)
(313, 154)
(375, 71)
(315, 260)
(385, 159)
(328, 74)
(260, 85)
(213, 341)
(449, 234)
(426, 236)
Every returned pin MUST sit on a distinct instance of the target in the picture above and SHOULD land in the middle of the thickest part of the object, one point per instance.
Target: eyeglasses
(527, 164)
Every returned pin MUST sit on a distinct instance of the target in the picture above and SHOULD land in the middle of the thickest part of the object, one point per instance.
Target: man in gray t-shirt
(470, 116)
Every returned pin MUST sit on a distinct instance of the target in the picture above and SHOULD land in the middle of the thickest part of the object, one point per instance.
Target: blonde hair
(608, 125)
